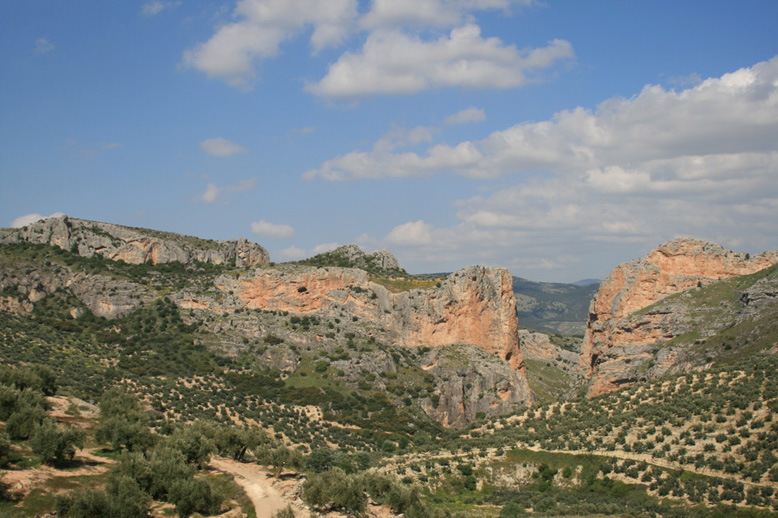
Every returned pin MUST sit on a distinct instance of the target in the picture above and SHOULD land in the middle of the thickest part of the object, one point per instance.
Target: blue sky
(556, 138)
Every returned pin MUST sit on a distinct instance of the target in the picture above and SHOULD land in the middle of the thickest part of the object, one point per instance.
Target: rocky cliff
(474, 306)
(449, 349)
(618, 339)
(134, 245)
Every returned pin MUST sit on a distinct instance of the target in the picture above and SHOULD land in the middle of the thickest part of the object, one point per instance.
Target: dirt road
(267, 501)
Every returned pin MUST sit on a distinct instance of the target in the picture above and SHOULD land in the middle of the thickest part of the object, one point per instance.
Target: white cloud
(591, 189)
(221, 147)
(656, 140)
(392, 62)
(292, 253)
(263, 25)
(324, 247)
(213, 192)
(263, 228)
(28, 219)
(467, 116)
(155, 7)
(411, 233)
(429, 13)
(43, 46)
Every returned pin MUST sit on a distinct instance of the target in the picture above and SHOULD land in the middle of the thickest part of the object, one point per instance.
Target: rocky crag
(626, 342)
(134, 245)
(474, 306)
(351, 256)
(242, 305)
(472, 310)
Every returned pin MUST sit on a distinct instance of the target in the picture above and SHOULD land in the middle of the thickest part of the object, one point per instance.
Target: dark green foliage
(123, 422)
(121, 499)
(84, 503)
(37, 377)
(512, 509)
(335, 489)
(235, 441)
(22, 422)
(195, 442)
(127, 498)
(194, 496)
(56, 444)
(5, 449)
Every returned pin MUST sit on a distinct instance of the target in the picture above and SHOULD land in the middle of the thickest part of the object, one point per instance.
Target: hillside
(343, 386)
(554, 308)
(687, 304)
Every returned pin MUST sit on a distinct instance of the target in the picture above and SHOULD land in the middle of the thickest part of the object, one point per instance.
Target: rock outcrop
(351, 256)
(538, 346)
(104, 296)
(474, 306)
(134, 245)
(472, 384)
(617, 339)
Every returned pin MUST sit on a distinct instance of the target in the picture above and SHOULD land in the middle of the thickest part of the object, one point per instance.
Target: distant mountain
(552, 307)
(587, 282)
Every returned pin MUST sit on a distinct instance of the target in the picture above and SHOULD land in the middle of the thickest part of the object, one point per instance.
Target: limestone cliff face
(613, 340)
(102, 295)
(472, 383)
(134, 245)
(475, 305)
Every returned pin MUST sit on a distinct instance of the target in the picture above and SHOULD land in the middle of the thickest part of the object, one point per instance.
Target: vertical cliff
(612, 342)
(473, 306)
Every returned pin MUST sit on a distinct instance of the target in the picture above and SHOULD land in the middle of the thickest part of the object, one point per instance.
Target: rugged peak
(671, 268)
(134, 245)
(351, 256)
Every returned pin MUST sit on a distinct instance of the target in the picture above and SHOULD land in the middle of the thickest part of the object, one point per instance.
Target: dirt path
(22, 481)
(257, 484)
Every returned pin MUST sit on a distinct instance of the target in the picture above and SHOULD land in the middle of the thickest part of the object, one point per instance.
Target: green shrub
(56, 444)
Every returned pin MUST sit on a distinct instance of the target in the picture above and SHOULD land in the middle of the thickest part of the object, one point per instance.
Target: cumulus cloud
(392, 62)
(221, 147)
(213, 192)
(411, 233)
(429, 13)
(292, 253)
(233, 51)
(659, 139)
(264, 228)
(324, 247)
(155, 7)
(28, 219)
(609, 184)
(43, 46)
(467, 116)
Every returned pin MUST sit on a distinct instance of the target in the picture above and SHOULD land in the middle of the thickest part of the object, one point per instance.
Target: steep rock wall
(475, 305)
(612, 340)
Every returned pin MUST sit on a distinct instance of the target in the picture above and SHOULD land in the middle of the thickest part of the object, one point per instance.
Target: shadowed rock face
(472, 383)
(613, 341)
(134, 245)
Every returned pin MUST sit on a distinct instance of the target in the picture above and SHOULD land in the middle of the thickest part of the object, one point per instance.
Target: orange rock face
(669, 269)
(475, 305)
